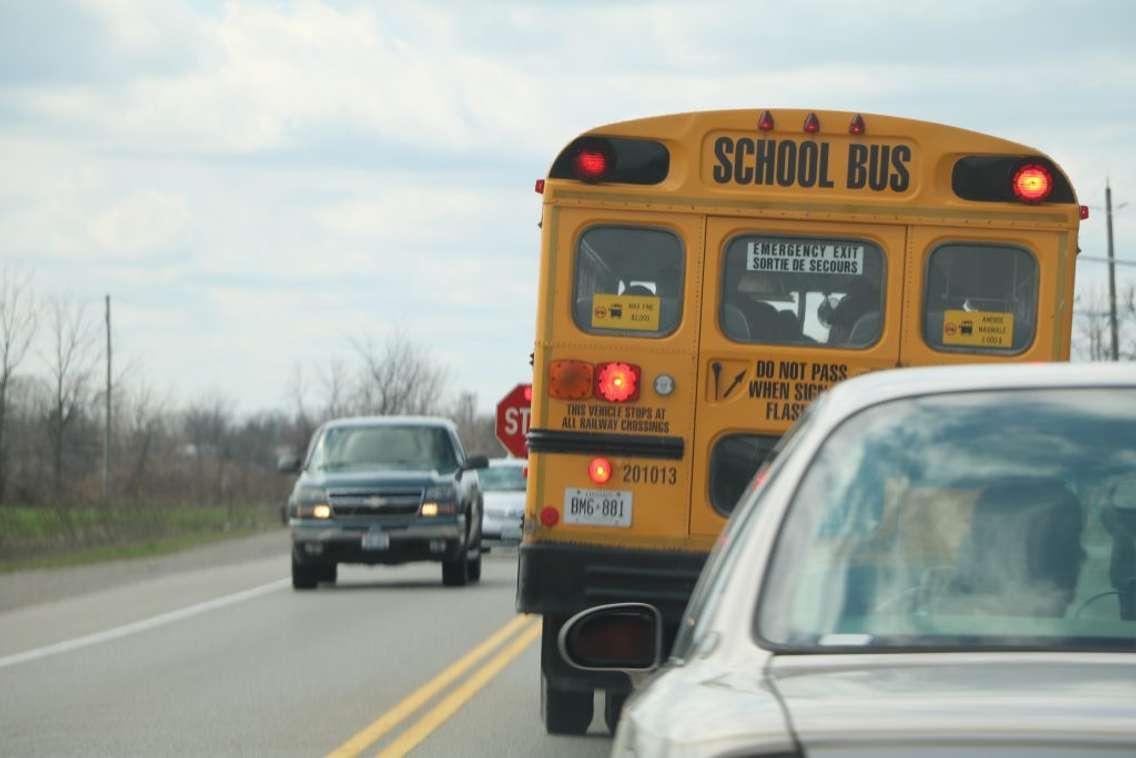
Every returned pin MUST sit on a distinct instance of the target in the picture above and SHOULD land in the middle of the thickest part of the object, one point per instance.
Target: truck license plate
(376, 540)
(597, 507)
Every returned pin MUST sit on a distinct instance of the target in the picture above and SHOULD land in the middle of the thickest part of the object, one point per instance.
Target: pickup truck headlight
(441, 500)
(311, 502)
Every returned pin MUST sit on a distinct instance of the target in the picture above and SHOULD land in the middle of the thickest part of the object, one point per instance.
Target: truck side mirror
(475, 462)
(288, 463)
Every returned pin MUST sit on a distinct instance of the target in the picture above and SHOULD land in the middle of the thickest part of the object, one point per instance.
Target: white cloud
(259, 183)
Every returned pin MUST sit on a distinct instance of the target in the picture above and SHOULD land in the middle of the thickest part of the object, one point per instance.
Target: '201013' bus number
(639, 474)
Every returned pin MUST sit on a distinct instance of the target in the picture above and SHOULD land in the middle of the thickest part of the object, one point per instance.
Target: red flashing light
(1032, 183)
(812, 123)
(765, 122)
(590, 165)
(857, 126)
(1084, 212)
(540, 186)
(528, 392)
(617, 382)
(599, 470)
(549, 516)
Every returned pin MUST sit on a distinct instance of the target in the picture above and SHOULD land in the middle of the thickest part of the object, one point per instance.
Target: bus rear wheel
(564, 711)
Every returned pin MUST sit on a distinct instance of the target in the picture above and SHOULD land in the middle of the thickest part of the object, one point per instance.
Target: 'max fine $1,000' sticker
(640, 312)
(792, 256)
(978, 328)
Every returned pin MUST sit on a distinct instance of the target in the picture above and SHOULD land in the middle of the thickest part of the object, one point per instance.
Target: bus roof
(833, 162)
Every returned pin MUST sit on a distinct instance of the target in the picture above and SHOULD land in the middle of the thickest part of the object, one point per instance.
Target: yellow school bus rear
(705, 276)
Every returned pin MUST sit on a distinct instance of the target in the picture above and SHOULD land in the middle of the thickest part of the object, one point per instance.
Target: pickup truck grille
(375, 502)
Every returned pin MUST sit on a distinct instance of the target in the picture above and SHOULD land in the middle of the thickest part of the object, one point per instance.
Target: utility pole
(106, 439)
(1111, 274)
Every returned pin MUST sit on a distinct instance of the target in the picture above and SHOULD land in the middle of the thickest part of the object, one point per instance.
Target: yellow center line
(412, 702)
(433, 718)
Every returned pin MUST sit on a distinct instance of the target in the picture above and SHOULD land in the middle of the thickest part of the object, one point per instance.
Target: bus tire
(613, 707)
(564, 711)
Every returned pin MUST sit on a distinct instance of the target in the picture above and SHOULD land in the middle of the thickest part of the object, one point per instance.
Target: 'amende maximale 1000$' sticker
(635, 312)
(802, 257)
(978, 328)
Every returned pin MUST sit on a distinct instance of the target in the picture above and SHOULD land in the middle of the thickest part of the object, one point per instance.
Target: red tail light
(617, 382)
(857, 126)
(549, 516)
(599, 470)
(812, 123)
(1032, 183)
(765, 123)
(590, 165)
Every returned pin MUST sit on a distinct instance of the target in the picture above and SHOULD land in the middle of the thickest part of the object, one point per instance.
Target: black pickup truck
(385, 490)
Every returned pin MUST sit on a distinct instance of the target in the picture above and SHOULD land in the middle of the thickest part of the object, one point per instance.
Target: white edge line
(143, 625)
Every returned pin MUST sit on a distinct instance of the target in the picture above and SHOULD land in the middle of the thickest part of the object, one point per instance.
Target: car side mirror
(288, 463)
(624, 637)
(475, 462)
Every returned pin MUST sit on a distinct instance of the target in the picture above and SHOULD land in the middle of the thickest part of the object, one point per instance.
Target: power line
(1102, 259)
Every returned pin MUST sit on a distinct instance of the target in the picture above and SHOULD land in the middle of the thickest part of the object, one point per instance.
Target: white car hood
(960, 704)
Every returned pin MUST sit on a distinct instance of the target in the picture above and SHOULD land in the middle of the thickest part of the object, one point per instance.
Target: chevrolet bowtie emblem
(375, 501)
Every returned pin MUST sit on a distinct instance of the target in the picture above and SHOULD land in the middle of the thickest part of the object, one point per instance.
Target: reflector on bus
(570, 380)
(613, 159)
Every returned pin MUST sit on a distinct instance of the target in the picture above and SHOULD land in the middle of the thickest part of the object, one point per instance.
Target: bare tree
(399, 377)
(18, 316)
(477, 431)
(337, 388)
(141, 414)
(1093, 338)
(70, 362)
(207, 425)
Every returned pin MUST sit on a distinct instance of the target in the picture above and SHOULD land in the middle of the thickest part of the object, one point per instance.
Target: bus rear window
(980, 298)
(628, 281)
(733, 462)
(802, 291)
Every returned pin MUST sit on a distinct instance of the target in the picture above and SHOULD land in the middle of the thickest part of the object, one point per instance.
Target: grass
(45, 537)
(147, 549)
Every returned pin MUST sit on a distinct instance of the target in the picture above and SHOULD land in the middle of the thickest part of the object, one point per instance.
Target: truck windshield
(402, 447)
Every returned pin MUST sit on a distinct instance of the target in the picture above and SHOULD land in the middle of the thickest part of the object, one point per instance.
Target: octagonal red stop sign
(513, 420)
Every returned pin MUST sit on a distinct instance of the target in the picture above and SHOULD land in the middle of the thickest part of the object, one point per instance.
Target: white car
(503, 487)
(938, 562)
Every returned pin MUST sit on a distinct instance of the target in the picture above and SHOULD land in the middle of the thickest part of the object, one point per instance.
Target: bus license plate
(597, 507)
(376, 540)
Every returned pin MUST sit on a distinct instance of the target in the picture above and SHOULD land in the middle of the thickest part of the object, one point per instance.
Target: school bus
(703, 277)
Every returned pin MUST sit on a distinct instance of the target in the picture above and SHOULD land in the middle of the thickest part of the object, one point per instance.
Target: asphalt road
(209, 653)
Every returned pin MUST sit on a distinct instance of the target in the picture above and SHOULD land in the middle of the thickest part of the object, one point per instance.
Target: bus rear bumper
(562, 579)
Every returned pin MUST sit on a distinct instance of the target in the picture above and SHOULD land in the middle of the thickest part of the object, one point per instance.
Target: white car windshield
(979, 520)
(502, 479)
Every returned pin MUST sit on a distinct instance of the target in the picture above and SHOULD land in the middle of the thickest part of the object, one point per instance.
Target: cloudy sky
(257, 184)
